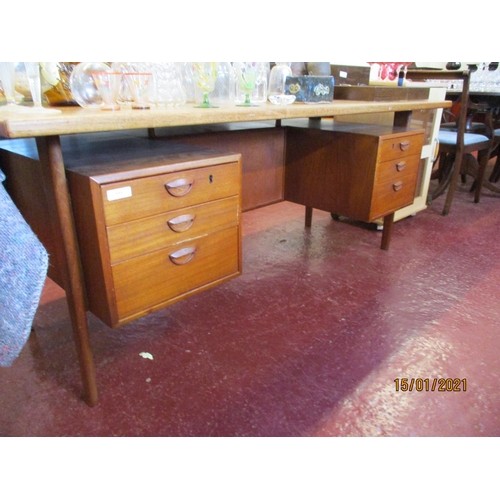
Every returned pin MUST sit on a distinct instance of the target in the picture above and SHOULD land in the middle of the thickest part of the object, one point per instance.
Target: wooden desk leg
(387, 231)
(50, 154)
(309, 216)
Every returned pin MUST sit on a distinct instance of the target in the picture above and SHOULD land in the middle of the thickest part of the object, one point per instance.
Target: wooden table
(47, 130)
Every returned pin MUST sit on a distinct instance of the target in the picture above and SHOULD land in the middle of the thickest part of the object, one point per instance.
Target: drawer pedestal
(363, 172)
(157, 229)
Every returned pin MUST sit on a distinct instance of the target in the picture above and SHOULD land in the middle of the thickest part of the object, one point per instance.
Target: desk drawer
(400, 146)
(392, 192)
(150, 234)
(394, 169)
(148, 282)
(157, 194)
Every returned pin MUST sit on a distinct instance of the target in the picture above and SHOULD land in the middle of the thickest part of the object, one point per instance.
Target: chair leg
(495, 174)
(455, 174)
(483, 157)
(445, 170)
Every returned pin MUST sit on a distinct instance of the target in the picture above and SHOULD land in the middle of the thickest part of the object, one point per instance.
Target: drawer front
(394, 169)
(152, 279)
(150, 234)
(398, 147)
(392, 192)
(131, 200)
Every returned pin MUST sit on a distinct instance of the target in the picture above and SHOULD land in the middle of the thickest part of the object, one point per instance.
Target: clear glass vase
(277, 79)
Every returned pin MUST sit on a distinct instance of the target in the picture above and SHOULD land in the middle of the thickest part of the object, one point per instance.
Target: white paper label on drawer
(343, 74)
(119, 193)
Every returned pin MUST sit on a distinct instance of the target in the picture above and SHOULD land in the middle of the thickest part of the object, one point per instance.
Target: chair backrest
(441, 76)
(458, 142)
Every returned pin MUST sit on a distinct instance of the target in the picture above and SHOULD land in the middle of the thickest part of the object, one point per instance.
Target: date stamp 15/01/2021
(430, 384)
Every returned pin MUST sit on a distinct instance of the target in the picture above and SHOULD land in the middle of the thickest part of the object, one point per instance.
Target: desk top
(76, 120)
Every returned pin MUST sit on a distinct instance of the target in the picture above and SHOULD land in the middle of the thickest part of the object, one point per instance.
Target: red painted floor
(309, 341)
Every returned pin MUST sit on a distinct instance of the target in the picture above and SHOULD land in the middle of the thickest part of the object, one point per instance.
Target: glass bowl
(281, 99)
(83, 87)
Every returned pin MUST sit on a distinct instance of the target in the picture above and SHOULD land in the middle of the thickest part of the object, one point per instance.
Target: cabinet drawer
(147, 235)
(392, 193)
(157, 194)
(394, 169)
(147, 282)
(400, 146)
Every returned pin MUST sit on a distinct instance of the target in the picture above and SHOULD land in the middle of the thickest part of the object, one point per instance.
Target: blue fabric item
(23, 269)
(450, 138)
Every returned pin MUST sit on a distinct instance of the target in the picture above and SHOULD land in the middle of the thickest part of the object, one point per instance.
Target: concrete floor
(312, 340)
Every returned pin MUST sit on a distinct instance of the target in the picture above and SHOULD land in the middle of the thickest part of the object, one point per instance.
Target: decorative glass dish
(281, 99)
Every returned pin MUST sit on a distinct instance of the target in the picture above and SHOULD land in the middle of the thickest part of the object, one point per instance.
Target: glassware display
(7, 72)
(34, 80)
(277, 79)
(138, 84)
(108, 85)
(246, 73)
(83, 86)
(481, 79)
(187, 79)
(259, 94)
(224, 87)
(55, 82)
(205, 74)
(125, 97)
(167, 85)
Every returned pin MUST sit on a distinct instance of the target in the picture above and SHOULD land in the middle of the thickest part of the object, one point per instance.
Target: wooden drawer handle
(404, 145)
(181, 223)
(179, 187)
(400, 166)
(182, 256)
(397, 185)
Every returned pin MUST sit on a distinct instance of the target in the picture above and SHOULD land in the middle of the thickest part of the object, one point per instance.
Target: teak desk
(48, 129)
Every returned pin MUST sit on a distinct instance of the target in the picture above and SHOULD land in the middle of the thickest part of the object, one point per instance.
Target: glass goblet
(205, 74)
(246, 73)
(33, 75)
(7, 75)
(138, 84)
(108, 84)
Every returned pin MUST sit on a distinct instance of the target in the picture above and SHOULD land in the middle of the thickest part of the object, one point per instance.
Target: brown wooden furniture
(156, 223)
(50, 183)
(459, 150)
(364, 172)
(262, 148)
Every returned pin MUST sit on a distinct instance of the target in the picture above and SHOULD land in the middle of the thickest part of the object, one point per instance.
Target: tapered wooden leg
(387, 231)
(49, 150)
(309, 216)
(483, 157)
(457, 166)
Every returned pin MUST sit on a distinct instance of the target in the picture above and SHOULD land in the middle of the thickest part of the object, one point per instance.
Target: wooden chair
(460, 151)
(495, 174)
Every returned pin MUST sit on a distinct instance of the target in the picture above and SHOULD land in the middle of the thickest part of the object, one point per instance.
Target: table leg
(309, 216)
(50, 154)
(387, 231)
